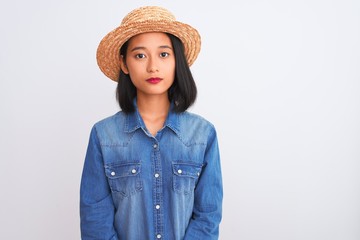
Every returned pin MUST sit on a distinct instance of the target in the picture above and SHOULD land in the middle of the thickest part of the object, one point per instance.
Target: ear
(123, 65)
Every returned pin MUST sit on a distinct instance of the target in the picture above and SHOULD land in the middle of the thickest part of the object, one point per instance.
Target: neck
(153, 106)
(153, 110)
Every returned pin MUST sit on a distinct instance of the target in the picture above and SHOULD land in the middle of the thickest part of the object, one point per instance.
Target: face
(150, 62)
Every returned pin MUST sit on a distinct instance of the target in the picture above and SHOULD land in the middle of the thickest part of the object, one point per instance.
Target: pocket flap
(187, 170)
(122, 170)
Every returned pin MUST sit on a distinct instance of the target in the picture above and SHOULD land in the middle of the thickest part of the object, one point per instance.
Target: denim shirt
(136, 186)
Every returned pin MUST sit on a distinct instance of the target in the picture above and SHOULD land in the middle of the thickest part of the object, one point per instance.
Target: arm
(96, 205)
(207, 212)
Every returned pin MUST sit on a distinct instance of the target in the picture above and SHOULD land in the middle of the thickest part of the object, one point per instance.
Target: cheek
(172, 68)
(170, 72)
(134, 71)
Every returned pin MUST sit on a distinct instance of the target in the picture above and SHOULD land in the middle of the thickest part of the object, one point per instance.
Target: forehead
(150, 39)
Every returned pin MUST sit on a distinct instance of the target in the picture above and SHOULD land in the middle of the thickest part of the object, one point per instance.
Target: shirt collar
(134, 120)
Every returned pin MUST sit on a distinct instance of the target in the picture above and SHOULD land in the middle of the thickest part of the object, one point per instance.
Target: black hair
(182, 92)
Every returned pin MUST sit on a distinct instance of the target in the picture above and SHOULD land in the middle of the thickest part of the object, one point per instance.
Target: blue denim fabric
(136, 186)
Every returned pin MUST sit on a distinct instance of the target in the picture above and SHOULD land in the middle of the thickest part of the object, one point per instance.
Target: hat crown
(149, 13)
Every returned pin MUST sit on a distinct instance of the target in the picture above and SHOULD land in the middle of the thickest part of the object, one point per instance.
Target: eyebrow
(143, 48)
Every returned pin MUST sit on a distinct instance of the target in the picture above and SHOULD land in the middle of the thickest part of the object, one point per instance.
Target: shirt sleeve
(208, 195)
(96, 204)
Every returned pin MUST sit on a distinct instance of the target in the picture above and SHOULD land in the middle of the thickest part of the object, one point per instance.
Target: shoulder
(110, 127)
(194, 127)
(110, 121)
(188, 118)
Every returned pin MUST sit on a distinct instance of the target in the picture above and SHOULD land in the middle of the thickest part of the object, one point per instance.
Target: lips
(154, 80)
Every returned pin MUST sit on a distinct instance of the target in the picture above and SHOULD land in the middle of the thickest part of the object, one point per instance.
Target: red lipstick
(154, 80)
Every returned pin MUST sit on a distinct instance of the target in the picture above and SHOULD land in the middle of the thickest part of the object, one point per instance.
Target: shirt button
(133, 171)
(155, 146)
(157, 206)
(179, 171)
(158, 236)
(112, 173)
(157, 175)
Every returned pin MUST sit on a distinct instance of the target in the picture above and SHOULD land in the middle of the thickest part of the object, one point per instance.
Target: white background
(279, 79)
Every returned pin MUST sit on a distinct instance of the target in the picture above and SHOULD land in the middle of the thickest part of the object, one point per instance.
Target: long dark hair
(182, 92)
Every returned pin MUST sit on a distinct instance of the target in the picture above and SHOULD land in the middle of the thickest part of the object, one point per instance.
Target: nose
(152, 65)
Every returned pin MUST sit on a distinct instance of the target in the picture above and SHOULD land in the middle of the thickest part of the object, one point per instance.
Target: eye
(140, 55)
(164, 54)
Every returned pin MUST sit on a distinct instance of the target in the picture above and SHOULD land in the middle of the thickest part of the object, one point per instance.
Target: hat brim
(108, 52)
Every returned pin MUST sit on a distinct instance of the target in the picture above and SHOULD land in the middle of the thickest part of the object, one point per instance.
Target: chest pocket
(124, 179)
(185, 176)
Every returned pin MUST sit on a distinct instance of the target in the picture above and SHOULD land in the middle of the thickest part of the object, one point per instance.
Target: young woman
(152, 170)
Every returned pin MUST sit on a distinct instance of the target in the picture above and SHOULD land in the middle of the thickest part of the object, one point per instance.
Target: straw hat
(142, 20)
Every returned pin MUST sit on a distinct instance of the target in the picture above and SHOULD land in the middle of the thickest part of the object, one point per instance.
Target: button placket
(158, 196)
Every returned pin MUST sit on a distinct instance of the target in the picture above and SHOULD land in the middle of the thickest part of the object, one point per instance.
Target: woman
(152, 170)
